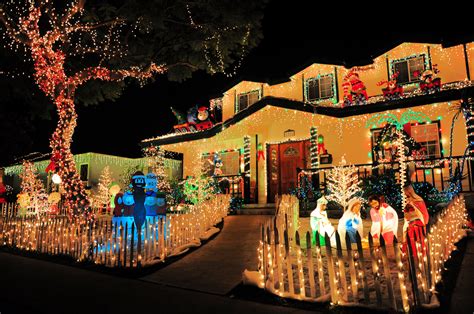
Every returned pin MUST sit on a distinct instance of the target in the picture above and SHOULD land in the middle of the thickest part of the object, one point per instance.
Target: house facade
(264, 136)
(90, 166)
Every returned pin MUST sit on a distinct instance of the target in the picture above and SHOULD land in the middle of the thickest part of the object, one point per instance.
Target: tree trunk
(76, 201)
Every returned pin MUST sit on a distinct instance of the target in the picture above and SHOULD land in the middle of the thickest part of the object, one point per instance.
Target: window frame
(237, 100)
(426, 66)
(319, 77)
(440, 142)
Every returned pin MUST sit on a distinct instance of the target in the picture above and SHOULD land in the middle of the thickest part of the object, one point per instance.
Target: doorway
(282, 161)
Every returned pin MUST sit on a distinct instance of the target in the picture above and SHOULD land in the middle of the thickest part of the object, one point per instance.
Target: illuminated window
(427, 135)
(247, 99)
(408, 67)
(230, 163)
(318, 88)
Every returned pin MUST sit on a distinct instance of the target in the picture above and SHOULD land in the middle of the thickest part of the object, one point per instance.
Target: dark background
(296, 33)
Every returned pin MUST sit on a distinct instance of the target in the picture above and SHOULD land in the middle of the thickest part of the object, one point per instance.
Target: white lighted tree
(343, 183)
(156, 161)
(102, 197)
(33, 188)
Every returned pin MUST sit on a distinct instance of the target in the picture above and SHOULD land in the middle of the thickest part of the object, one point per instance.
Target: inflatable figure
(351, 222)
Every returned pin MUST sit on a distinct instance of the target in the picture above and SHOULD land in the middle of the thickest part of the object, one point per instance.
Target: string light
(46, 50)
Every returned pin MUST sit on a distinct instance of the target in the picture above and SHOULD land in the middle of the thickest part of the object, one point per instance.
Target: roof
(337, 112)
(348, 62)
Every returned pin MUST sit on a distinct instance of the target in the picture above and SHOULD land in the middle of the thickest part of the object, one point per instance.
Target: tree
(102, 197)
(156, 161)
(70, 46)
(33, 189)
(343, 183)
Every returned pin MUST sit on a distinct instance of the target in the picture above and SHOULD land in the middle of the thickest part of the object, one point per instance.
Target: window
(84, 172)
(320, 88)
(247, 99)
(427, 135)
(407, 68)
(230, 163)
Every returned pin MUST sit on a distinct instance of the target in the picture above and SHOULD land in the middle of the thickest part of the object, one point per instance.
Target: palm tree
(401, 137)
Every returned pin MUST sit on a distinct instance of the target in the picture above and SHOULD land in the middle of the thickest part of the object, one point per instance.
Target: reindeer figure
(392, 90)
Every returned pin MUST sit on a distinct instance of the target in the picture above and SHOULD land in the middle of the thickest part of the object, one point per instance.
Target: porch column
(246, 169)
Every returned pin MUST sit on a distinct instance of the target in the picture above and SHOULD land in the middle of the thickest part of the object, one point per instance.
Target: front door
(283, 160)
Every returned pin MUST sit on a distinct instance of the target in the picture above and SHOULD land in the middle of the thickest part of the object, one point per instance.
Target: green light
(440, 118)
(427, 171)
(369, 154)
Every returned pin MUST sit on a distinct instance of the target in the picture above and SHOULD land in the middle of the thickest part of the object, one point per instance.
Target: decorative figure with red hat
(354, 90)
(430, 82)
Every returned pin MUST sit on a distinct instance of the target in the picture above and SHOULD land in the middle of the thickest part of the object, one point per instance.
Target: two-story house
(276, 119)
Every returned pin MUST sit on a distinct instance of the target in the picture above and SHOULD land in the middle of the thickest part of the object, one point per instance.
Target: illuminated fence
(115, 244)
(368, 274)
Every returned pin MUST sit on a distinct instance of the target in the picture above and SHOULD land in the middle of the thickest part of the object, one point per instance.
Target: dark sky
(294, 35)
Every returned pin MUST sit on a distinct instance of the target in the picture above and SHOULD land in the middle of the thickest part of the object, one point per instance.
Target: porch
(435, 171)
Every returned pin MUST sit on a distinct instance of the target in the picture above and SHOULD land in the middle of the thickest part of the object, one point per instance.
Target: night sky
(295, 35)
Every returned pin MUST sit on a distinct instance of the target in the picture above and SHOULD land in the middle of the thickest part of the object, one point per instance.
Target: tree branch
(105, 74)
(11, 32)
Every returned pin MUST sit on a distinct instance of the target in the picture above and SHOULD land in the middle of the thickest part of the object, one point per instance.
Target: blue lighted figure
(351, 222)
(139, 211)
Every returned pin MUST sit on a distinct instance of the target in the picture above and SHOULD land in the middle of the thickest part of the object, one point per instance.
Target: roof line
(336, 112)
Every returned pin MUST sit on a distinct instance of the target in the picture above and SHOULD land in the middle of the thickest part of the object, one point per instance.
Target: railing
(232, 185)
(115, 244)
(365, 273)
(434, 171)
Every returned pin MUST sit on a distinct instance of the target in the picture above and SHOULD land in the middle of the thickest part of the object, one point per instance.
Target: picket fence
(376, 275)
(115, 244)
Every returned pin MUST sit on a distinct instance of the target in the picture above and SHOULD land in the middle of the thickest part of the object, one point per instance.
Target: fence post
(333, 286)
(388, 277)
(354, 283)
(312, 285)
(375, 270)
(289, 267)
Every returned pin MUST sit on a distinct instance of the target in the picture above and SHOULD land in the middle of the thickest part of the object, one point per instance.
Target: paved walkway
(31, 286)
(217, 266)
(462, 301)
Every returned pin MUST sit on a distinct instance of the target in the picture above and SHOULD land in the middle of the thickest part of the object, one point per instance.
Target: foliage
(306, 193)
(236, 203)
(430, 195)
(176, 196)
(383, 184)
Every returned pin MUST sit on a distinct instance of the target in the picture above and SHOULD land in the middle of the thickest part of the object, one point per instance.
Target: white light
(56, 178)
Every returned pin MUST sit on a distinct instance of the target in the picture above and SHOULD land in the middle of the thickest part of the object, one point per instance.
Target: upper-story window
(319, 88)
(408, 68)
(245, 100)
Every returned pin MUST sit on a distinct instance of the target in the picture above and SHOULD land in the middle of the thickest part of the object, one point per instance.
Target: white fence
(369, 274)
(115, 244)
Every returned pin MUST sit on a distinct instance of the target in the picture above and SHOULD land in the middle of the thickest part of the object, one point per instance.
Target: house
(90, 165)
(264, 136)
